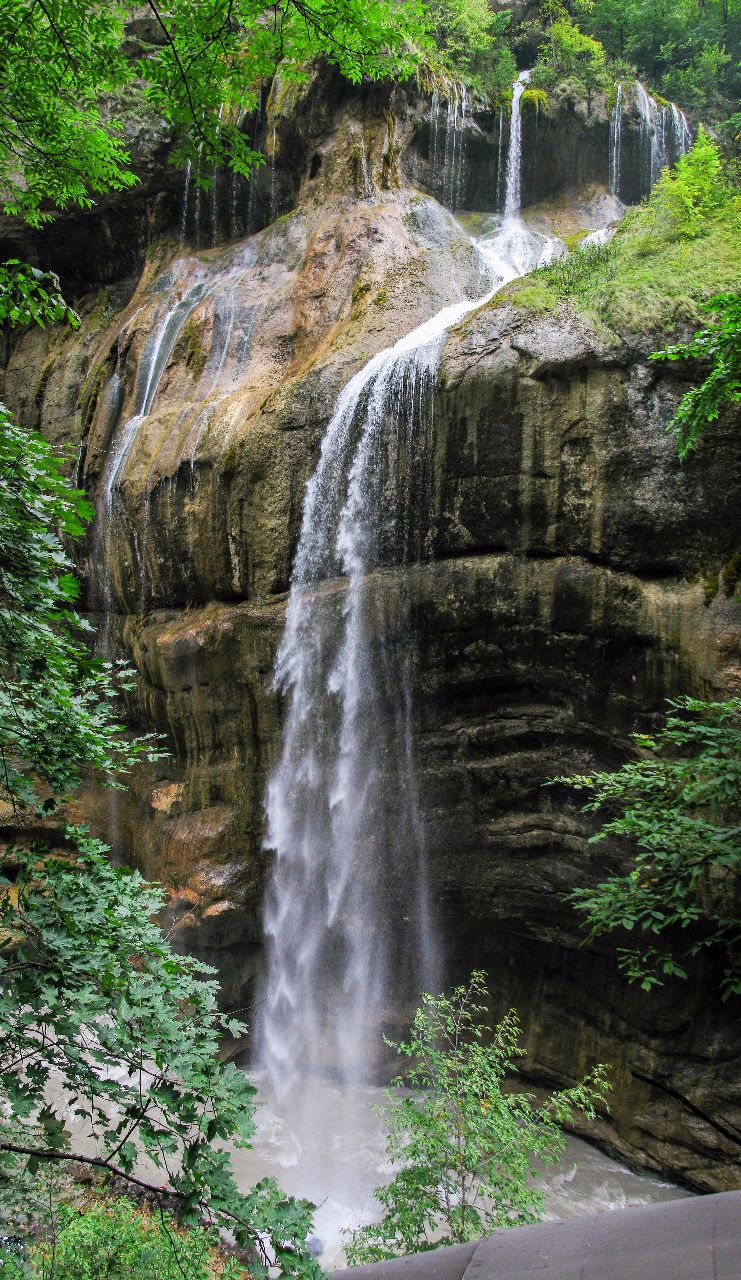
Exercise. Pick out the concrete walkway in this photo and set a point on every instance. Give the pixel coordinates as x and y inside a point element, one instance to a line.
<point>694,1239</point>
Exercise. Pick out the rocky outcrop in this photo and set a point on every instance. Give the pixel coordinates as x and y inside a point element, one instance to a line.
<point>574,581</point>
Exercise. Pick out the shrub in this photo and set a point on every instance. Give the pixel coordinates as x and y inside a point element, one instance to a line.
<point>469,1148</point>
<point>115,1240</point>
<point>684,197</point>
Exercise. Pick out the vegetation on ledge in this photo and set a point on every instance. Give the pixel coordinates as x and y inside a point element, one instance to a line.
<point>668,258</point>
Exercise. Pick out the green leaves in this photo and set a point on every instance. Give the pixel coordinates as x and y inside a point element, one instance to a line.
<point>91,996</point>
<point>686,196</point>
<point>65,62</point>
<point>469,1148</point>
<point>56,700</point>
<point>30,296</point>
<point>720,345</point>
<point>679,805</point>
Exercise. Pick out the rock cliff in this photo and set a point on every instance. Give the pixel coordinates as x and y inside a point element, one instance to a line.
<point>575,577</point>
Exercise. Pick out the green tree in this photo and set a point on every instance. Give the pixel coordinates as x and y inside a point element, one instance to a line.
<point>472,42</point>
<point>567,54</point>
<point>686,48</point>
<point>204,63</point>
<point>679,807</point>
<point>469,1148</point>
<point>720,344</point>
<point>686,195</point>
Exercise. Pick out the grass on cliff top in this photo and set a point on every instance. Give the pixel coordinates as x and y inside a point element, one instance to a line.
<point>643,282</point>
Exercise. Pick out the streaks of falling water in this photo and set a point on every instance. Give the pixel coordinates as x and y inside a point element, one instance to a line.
<point>616,129</point>
<point>365,166</point>
<point>447,144</point>
<point>346,914</point>
<point>151,367</point>
<point>186,205</point>
<point>512,191</point>
<point>681,136</point>
<point>653,136</point>
<point>500,147</point>
<point>655,151</point>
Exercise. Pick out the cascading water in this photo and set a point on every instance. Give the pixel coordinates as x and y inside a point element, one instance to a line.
<point>512,191</point>
<point>681,136</point>
<point>346,915</point>
<point>616,129</point>
<point>152,365</point>
<point>500,147</point>
<point>447,151</point>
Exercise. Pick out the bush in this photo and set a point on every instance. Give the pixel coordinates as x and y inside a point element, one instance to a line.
<point>684,197</point>
<point>569,55</point>
<point>469,1148</point>
<point>472,40</point>
<point>720,344</point>
<point>678,805</point>
<point>578,272</point>
<point>115,1240</point>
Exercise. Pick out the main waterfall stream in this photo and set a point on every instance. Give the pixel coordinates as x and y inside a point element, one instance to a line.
<point>346,917</point>
<point>348,927</point>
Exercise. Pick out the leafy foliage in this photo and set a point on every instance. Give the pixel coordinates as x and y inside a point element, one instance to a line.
<point>472,41</point>
<point>114,1239</point>
<point>56,711</point>
<point>679,805</point>
<point>686,48</point>
<point>92,996</point>
<point>567,54</point>
<point>467,1146</point>
<point>720,344</point>
<point>58,144</point>
<point>686,195</point>
<point>31,296</point>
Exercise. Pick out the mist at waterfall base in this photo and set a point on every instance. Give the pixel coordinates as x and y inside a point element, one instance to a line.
<point>333,1152</point>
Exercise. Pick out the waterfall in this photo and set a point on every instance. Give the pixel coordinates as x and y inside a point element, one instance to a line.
<point>447,149</point>
<point>347,921</point>
<point>681,136</point>
<point>500,145</point>
<point>655,149</point>
<point>616,128</point>
<point>365,167</point>
<point>152,365</point>
<point>186,205</point>
<point>512,191</point>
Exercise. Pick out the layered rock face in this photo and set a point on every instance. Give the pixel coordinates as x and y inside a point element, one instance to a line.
<point>564,599</point>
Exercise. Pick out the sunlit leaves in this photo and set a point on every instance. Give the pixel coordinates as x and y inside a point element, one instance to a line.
<point>203,67</point>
